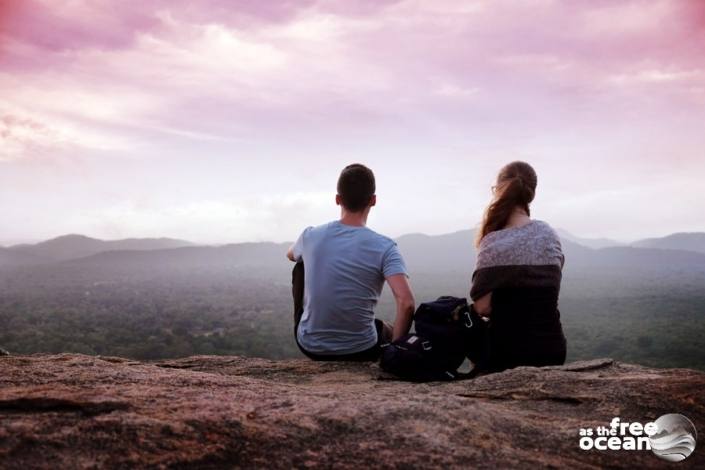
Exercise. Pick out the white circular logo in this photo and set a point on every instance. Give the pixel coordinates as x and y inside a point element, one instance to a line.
<point>675,437</point>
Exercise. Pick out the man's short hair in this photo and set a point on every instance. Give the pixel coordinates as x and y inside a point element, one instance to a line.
<point>356,186</point>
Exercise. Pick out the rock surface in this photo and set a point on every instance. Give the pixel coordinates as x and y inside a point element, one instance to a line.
<point>75,411</point>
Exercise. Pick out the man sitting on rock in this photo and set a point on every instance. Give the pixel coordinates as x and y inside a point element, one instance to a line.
<point>345,265</point>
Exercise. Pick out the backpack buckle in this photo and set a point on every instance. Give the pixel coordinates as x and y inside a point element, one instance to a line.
<point>426,345</point>
<point>468,319</point>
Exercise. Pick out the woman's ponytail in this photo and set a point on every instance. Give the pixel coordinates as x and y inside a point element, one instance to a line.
<point>516,187</point>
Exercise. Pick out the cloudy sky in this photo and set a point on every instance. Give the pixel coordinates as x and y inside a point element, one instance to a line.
<point>222,121</point>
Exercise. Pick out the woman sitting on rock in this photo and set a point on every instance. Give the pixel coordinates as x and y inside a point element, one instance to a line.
<point>518,276</point>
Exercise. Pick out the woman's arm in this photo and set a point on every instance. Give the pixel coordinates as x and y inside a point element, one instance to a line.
<point>483,305</point>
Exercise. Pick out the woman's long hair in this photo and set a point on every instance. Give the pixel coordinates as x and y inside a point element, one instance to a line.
<point>516,187</point>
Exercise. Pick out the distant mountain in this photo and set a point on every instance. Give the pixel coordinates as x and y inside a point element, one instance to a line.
<point>595,243</point>
<point>448,253</point>
<point>265,254</point>
<point>12,258</point>
<point>76,246</point>
<point>456,252</point>
<point>694,241</point>
<point>431,253</point>
<point>633,257</point>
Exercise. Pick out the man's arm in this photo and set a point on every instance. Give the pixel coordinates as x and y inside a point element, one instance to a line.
<point>295,251</point>
<point>405,304</point>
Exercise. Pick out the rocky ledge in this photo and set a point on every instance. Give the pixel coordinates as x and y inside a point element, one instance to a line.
<point>75,411</point>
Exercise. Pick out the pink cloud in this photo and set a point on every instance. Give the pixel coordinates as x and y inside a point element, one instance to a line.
<point>241,70</point>
<point>59,25</point>
<point>21,135</point>
<point>224,102</point>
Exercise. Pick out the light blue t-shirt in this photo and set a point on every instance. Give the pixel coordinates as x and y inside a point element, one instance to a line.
<point>345,268</point>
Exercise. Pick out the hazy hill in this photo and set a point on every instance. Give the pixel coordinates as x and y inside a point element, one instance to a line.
<point>450,252</point>
<point>645,257</point>
<point>10,257</point>
<point>588,242</point>
<point>456,252</point>
<point>76,246</point>
<point>234,255</point>
<point>679,241</point>
<point>447,253</point>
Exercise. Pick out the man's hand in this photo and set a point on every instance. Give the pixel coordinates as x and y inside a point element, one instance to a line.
<point>290,253</point>
<point>405,304</point>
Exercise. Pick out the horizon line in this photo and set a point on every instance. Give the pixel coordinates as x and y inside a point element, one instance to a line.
<point>561,232</point>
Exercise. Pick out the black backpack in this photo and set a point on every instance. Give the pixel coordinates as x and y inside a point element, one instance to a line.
<point>447,331</point>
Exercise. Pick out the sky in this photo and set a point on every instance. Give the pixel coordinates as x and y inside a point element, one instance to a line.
<point>227,121</point>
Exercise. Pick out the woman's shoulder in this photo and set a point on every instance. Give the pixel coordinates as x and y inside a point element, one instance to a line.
<point>534,228</point>
<point>533,243</point>
<point>545,228</point>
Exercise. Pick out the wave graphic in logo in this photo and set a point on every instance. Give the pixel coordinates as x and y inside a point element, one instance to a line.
<point>675,438</point>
